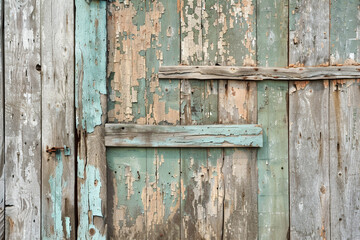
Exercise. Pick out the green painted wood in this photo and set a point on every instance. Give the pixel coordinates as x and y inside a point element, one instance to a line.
<point>202,184</point>
<point>127,192</point>
<point>2,130</point>
<point>130,135</point>
<point>344,123</point>
<point>163,193</point>
<point>58,120</point>
<point>272,159</point>
<point>90,90</point>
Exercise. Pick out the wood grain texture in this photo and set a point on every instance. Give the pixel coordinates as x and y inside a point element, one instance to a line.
<point>344,123</point>
<point>58,171</point>
<point>137,96</point>
<point>202,183</point>
<point>23,119</point>
<point>2,125</point>
<point>238,105</point>
<point>129,135</point>
<point>259,73</point>
<point>308,120</point>
<point>273,195</point>
<point>90,102</point>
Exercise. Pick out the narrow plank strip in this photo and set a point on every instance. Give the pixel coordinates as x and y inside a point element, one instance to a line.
<point>23,119</point>
<point>259,73</point>
<point>58,171</point>
<point>122,135</point>
<point>308,122</point>
<point>90,80</point>
<point>2,136</point>
<point>273,196</point>
<point>345,123</point>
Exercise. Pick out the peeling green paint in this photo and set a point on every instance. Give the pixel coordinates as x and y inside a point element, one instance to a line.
<point>80,167</point>
<point>90,55</point>
<point>56,187</point>
<point>67,227</point>
<point>90,204</point>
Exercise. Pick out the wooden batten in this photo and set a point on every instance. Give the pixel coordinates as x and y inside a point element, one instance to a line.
<point>259,73</point>
<point>131,135</point>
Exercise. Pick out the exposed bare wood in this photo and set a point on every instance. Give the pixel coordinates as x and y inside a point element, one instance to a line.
<point>259,73</point>
<point>58,171</point>
<point>23,119</point>
<point>129,135</point>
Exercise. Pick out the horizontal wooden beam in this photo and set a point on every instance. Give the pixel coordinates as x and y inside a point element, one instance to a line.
<point>131,135</point>
<point>259,73</point>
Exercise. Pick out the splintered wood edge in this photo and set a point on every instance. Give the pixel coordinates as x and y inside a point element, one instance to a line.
<point>132,135</point>
<point>259,73</point>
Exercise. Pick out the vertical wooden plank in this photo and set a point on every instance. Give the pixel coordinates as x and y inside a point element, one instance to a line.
<point>2,125</point>
<point>58,170</point>
<point>273,196</point>
<point>238,104</point>
<point>90,80</point>
<point>201,184</point>
<point>127,192</point>
<point>23,119</point>
<point>162,22</point>
<point>344,123</point>
<point>308,120</point>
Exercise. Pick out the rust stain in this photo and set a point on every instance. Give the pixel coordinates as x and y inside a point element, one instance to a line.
<point>300,85</point>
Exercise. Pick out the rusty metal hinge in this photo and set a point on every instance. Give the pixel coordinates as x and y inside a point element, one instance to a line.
<point>56,149</point>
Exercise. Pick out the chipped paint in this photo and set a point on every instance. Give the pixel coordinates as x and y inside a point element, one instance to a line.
<point>67,227</point>
<point>90,54</point>
<point>90,205</point>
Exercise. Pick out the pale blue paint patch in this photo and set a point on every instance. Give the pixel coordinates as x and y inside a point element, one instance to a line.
<point>67,227</point>
<point>67,151</point>
<point>56,197</point>
<point>90,202</point>
<point>80,168</point>
<point>90,56</point>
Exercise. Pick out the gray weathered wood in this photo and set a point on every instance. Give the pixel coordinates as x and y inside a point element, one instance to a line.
<point>130,135</point>
<point>23,119</point>
<point>308,123</point>
<point>2,137</point>
<point>259,73</point>
<point>58,170</point>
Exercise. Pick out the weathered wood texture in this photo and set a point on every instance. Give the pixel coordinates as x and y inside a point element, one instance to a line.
<point>201,177</point>
<point>2,136</point>
<point>260,73</point>
<point>130,135</point>
<point>272,51</point>
<point>90,80</point>
<point>58,170</point>
<point>143,34</point>
<point>309,123</point>
<point>23,119</point>
<point>344,125</point>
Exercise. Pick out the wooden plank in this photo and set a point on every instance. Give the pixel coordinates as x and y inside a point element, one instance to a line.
<point>163,218</point>
<point>259,73</point>
<point>344,123</point>
<point>58,171</point>
<point>202,197</point>
<point>308,120</point>
<point>237,105</point>
<point>2,130</point>
<point>273,196</point>
<point>23,119</point>
<point>90,80</point>
<point>127,192</point>
<point>130,135</point>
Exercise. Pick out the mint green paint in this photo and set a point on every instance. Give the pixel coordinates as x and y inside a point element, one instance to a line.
<point>272,51</point>
<point>90,55</point>
<point>56,186</point>
<point>67,227</point>
<point>80,167</point>
<point>90,201</point>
